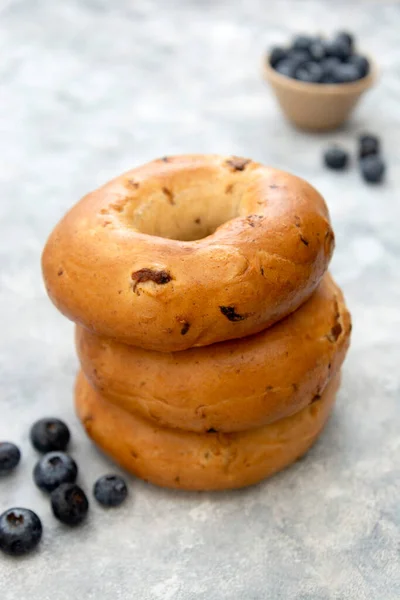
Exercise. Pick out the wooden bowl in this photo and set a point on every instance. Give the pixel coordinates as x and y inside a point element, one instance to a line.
<point>317,106</point>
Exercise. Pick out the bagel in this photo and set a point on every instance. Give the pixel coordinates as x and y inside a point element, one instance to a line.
<point>192,461</point>
<point>189,251</point>
<point>230,386</point>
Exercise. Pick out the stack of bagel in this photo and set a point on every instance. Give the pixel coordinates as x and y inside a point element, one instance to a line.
<point>209,333</point>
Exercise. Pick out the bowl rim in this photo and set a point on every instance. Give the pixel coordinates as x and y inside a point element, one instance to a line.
<point>321,89</point>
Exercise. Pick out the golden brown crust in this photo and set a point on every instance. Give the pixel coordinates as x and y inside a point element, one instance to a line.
<point>191,461</point>
<point>106,267</point>
<point>231,386</point>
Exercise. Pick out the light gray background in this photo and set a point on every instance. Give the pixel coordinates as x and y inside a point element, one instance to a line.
<point>90,88</point>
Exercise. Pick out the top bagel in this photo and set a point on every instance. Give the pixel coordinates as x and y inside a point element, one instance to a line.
<point>188,251</point>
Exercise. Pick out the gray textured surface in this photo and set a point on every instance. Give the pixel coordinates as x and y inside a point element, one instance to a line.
<point>89,88</point>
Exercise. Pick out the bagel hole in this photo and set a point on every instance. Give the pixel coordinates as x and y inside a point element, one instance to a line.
<point>186,213</point>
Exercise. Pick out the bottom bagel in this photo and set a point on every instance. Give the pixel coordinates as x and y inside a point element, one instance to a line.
<point>193,461</point>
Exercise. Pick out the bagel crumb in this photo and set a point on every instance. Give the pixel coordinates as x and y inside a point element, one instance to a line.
<point>262,271</point>
<point>177,479</point>
<point>198,221</point>
<point>295,387</point>
<point>237,163</point>
<point>60,272</point>
<point>229,188</point>
<point>134,454</point>
<point>159,277</point>
<point>230,313</point>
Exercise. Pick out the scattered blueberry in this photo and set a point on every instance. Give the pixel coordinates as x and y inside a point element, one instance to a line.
<point>49,434</point>
<point>110,490</point>
<point>277,54</point>
<point>53,469</point>
<point>69,503</point>
<point>20,531</point>
<point>309,72</point>
<point>9,457</point>
<point>372,169</point>
<point>368,145</point>
<point>336,158</point>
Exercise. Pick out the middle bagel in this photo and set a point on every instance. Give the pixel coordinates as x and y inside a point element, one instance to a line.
<point>229,386</point>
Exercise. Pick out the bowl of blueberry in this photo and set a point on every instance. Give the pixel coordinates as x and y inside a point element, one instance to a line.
<point>318,81</point>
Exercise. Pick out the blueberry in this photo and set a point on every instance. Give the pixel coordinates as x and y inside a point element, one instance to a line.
<point>372,169</point>
<point>337,48</point>
<point>277,54</point>
<point>49,434</point>
<point>328,66</point>
<point>368,145</point>
<point>53,469</point>
<point>327,78</point>
<point>361,63</point>
<point>346,73</point>
<point>302,42</point>
<point>69,504</point>
<point>336,158</point>
<point>298,56</point>
<point>286,67</point>
<point>330,63</point>
<point>110,490</point>
<point>317,50</point>
<point>20,531</point>
<point>294,59</point>
<point>310,72</point>
<point>345,37</point>
<point>9,457</point>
